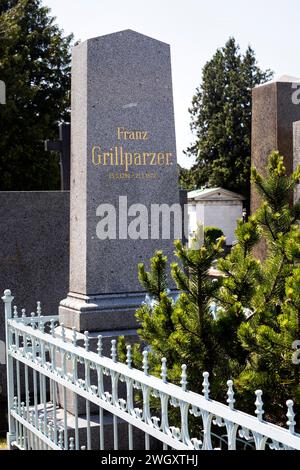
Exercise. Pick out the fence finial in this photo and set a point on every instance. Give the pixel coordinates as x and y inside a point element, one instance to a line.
<point>291,423</point>
<point>74,336</point>
<point>205,384</point>
<point>32,322</point>
<point>145,362</point>
<point>61,438</point>
<point>31,417</point>
<point>86,340</point>
<point>52,327</point>
<point>183,381</point>
<point>7,296</point>
<point>128,356</point>
<point>15,311</point>
<point>164,370</point>
<point>99,346</point>
<point>23,314</point>
<point>259,405</point>
<point>230,395</point>
<point>38,309</point>
<point>114,350</point>
<point>16,404</point>
<point>63,332</point>
<point>71,445</point>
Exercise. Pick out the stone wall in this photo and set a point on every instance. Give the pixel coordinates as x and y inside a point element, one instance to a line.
<point>34,257</point>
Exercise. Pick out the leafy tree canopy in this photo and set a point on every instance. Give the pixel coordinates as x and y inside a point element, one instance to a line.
<point>221,120</point>
<point>35,66</point>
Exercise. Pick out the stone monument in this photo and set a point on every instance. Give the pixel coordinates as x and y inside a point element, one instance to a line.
<point>273,113</point>
<point>123,170</point>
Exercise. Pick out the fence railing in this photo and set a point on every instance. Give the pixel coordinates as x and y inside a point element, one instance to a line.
<point>62,395</point>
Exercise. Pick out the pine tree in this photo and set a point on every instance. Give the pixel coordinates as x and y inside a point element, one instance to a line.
<point>270,332</point>
<point>182,331</point>
<point>195,335</point>
<point>264,298</point>
<point>242,275</point>
<point>221,120</point>
<point>35,66</point>
<point>251,338</point>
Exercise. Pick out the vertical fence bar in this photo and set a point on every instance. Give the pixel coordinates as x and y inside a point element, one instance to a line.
<point>35,398</point>
<point>64,374</point>
<point>26,383</point>
<point>129,396</point>
<point>27,397</point>
<point>44,382</point>
<point>114,392</point>
<point>11,435</point>
<point>17,423</point>
<point>24,429</point>
<point>115,426</point>
<point>75,398</point>
<point>17,340</point>
<point>101,428</point>
<point>147,442</point>
<point>53,383</point>
<point>100,393</point>
<point>65,418</point>
<point>88,425</point>
<point>26,409</point>
<point>50,390</point>
<point>32,437</point>
<point>45,406</point>
<point>130,437</point>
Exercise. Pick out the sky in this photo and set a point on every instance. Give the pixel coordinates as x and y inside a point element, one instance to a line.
<point>195,29</point>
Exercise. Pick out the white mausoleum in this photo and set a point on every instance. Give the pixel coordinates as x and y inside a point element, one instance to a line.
<point>215,207</point>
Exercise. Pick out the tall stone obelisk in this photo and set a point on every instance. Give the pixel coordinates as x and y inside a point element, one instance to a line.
<point>123,153</point>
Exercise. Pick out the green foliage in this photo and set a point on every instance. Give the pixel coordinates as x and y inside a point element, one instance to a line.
<point>258,305</point>
<point>271,292</point>
<point>35,65</point>
<point>185,179</point>
<point>242,271</point>
<point>242,275</point>
<point>212,234</point>
<point>268,342</point>
<point>155,281</point>
<point>181,330</point>
<point>221,120</point>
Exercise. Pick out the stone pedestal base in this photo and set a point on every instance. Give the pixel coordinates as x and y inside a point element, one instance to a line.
<point>100,313</point>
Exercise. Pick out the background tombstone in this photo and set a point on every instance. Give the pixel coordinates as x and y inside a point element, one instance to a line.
<point>122,104</point>
<point>273,114</point>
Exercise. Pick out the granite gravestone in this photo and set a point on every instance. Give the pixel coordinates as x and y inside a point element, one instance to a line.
<point>123,153</point>
<point>273,113</point>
